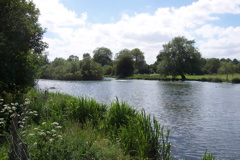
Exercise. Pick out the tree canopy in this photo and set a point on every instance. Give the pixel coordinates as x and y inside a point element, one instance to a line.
<point>21,45</point>
<point>179,57</point>
<point>62,69</point>
<point>124,66</point>
<point>102,56</point>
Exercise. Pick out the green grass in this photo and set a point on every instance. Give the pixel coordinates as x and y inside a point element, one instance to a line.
<point>212,78</point>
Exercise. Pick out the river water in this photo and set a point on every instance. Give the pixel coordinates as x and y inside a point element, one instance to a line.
<point>200,115</point>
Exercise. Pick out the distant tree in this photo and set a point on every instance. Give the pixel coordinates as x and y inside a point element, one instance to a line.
<point>227,68</point>
<point>91,70</point>
<point>225,60</point>
<point>58,62</point>
<point>73,58</point>
<point>123,52</point>
<point>102,56</point>
<point>212,65</point>
<point>124,66</point>
<point>21,46</point>
<point>235,61</point>
<point>140,64</point>
<point>178,57</point>
<point>86,56</point>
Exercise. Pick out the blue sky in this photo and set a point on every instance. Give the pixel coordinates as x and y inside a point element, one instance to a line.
<point>75,27</point>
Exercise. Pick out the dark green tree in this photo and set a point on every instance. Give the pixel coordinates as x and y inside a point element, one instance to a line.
<point>123,52</point>
<point>102,56</point>
<point>227,68</point>
<point>140,64</point>
<point>124,66</point>
<point>91,70</point>
<point>86,56</point>
<point>21,46</point>
<point>73,58</point>
<point>178,57</point>
<point>212,65</point>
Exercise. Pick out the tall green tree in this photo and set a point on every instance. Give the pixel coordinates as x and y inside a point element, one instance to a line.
<point>124,66</point>
<point>227,67</point>
<point>102,56</point>
<point>21,46</point>
<point>212,65</point>
<point>123,52</point>
<point>178,57</point>
<point>73,58</point>
<point>140,64</point>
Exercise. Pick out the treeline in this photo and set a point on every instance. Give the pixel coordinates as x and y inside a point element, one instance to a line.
<point>126,63</point>
<point>72,69</point>
<point>179,57</point>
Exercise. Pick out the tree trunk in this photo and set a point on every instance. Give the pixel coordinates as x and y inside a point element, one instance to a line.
<point>183,76</point>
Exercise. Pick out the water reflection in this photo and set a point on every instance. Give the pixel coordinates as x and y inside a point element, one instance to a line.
<point>200,115</point>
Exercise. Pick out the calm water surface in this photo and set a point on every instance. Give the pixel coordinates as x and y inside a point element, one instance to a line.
<point>200,115</point>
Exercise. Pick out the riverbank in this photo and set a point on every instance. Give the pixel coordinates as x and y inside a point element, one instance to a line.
<point>204,78</point>
<point>59,126</point>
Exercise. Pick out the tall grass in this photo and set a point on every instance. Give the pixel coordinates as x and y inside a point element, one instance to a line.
<point>140,134</point>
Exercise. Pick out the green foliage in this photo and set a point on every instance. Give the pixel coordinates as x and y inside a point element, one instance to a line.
<point>21,46</point>
<point>208,156</point>
<point>73,69</point>
<point>212,65</point>
<point>102,56</point>
<point>236,80</point>
<point>135,131</point>
<point>226,68</point>
<point>124,66</point>
<point>179,57</point>
<point>91,70</point>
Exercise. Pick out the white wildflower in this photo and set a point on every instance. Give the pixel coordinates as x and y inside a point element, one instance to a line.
<point>35,129</point>
<point>55,123</point>
<point>50,139</point>
<point>59,127</point>
<point>1,100</point>
<point>42,133</point>
<point>43,123</point>
<point>31,134</point>
<point>14,108</point>
<point>53,131</point>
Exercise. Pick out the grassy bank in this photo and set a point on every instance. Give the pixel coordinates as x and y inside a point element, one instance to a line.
<point>59,126</point>
<point>235,78</point>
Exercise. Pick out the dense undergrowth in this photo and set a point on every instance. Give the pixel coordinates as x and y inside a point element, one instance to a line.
<point>59,126</point>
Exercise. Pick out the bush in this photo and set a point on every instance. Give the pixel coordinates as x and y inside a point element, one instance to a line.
<point>235,80</point>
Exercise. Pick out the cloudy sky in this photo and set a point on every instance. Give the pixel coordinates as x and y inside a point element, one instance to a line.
<point>75,27</point>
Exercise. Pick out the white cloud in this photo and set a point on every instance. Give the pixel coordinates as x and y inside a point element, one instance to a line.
<point>75,35</point>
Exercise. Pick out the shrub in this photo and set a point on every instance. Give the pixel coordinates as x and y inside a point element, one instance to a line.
<point>235,80</point>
